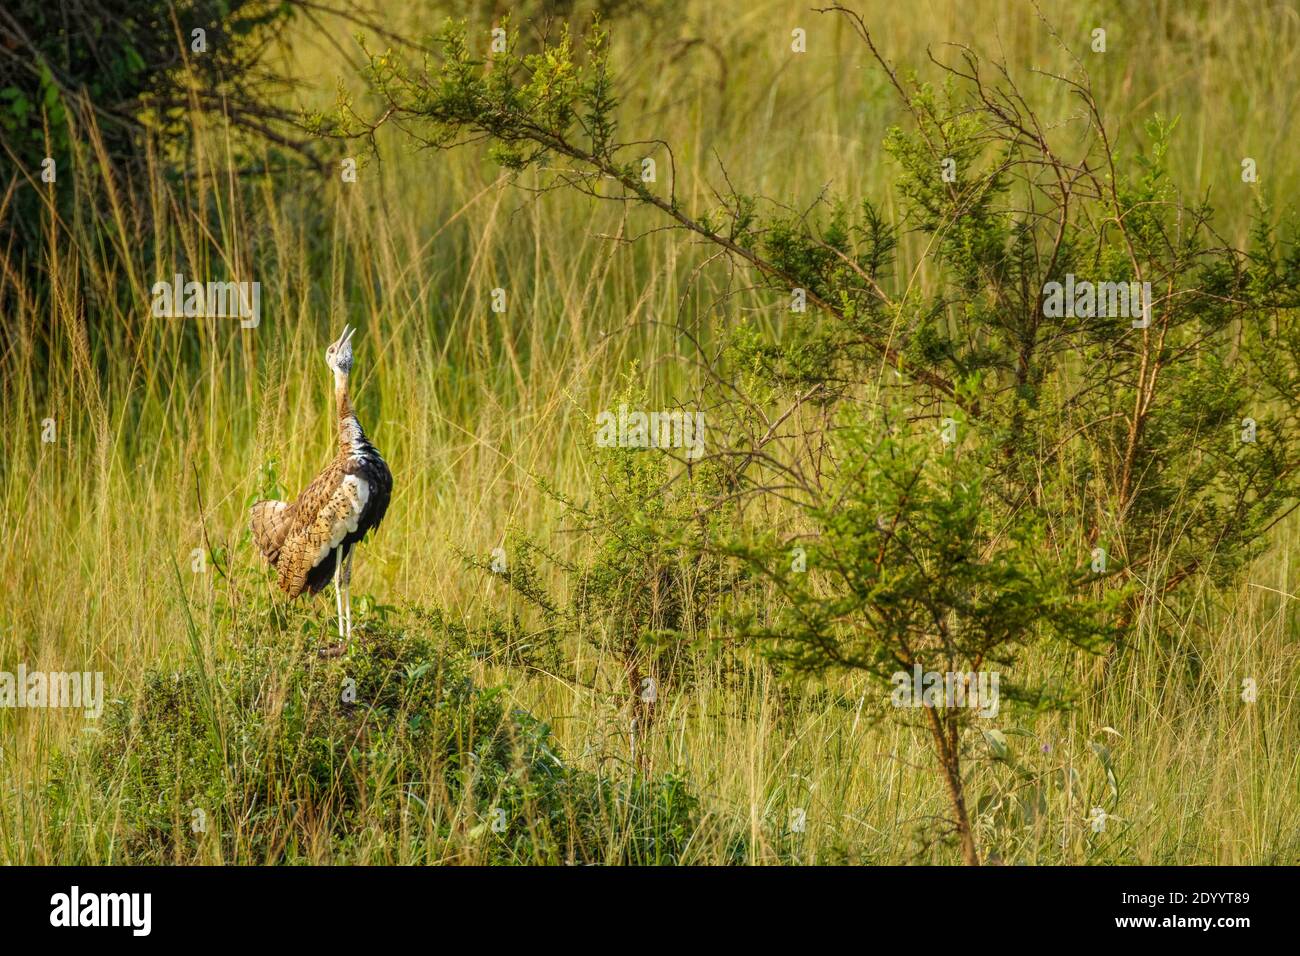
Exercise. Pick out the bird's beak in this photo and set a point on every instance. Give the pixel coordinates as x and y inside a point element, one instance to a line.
<point>346,337</point>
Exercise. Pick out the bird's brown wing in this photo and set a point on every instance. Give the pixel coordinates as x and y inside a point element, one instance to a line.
<point>325,513</point>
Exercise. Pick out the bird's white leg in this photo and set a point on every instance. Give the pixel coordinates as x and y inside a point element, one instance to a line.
<point>338,595</point>
<point>347,591</point>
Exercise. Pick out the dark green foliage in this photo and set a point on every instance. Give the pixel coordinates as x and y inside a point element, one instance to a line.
<point>908,562</point>
<point>1125,438</point>
<point>128,67</point>
<point>288,755</point>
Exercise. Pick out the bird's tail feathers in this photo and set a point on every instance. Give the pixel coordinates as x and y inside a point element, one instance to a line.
<point>270,525</point>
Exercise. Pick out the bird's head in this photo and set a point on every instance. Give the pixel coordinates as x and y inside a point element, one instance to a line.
<point>339,355</point>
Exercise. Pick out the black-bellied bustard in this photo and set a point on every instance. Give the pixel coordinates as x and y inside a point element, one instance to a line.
<point>310,541</point>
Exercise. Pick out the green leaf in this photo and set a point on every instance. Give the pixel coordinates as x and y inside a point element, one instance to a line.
<point>997,742</point>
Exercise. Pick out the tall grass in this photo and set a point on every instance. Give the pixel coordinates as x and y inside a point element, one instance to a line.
<point>164,427</point>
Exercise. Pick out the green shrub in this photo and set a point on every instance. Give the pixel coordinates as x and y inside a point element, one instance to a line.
<point>391,751</point>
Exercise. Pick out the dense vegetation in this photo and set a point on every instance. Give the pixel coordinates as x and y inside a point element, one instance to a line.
<point>640,655</point>
<point>1028,469</point>
<point>275,758</point>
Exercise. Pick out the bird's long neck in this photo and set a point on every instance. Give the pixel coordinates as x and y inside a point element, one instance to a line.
<point>351,437</point>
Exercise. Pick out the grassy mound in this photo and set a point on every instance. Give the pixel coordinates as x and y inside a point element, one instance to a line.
<point>388,753</point>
